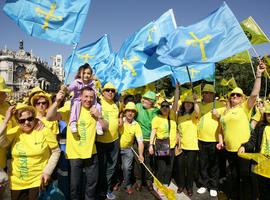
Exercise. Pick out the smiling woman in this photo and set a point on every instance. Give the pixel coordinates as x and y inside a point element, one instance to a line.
<point>34,151</point>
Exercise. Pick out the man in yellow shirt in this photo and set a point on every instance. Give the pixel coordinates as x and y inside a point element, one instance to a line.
<point>208,138</point>
<point>108,143</point>
<point>129,131</point>
<point>80,148</point>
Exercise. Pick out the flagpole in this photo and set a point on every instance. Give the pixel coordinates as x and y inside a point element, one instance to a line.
<point>265,90</point>
<point>258,57</point>
<point>189,77</point>
<point>71,62</point>
<point>251,64</point>
<point>214,84</point>
<point>143,163</point>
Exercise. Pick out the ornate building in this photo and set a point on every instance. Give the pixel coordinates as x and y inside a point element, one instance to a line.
<point>22,71</point>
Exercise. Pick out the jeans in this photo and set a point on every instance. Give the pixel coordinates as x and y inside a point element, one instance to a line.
<point>140,172</point>
<point>209,169</point>
<point>107,156</point>
<point>127,160</point>
<point>90,167</point>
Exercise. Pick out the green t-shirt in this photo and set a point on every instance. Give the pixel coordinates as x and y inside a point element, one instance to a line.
<point>144,118</point>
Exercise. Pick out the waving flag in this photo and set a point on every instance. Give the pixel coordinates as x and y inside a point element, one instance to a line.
<point>255,35</point>
<point>197,72</point>
<point>253,31</point>
<point>93,54</point>
<point>213,39</point>
<point>136,54</point>
<point>59,21</point>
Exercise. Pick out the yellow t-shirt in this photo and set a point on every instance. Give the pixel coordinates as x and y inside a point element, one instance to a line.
<point>160,123</point>
<point>208,127</point>
<point>187,126</point>
<point>30,154</point>
<point>128,132</point>
<point>110,113</point>
<point>265,145</point>
<point>235,125</point>
<point>11,123</point>
<point>80,145</point>
<point>52,125</point>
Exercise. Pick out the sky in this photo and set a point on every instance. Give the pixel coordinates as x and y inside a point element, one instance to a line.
<point>120,18</point>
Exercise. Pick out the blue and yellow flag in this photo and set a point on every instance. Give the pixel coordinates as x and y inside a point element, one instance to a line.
<point>134,56</point>
<point>59,21</point>
<point>93,54</point>
<point>197,72</point>
<point>213,39</point>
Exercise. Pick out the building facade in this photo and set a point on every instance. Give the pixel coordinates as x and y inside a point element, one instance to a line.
<point>23,71</point>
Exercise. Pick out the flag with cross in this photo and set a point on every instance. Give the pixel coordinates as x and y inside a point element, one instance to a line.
<point>93,54</point>
<point>58,21</point>
<point>215,38</point>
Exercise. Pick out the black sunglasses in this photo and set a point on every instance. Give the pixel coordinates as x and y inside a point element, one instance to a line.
<point>165,106</point>
<point>235,94</point>
<point>41,102</point>
<point>29,119</point>
<point>110,90</point>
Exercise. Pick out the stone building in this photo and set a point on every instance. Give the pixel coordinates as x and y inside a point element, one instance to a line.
<point>22,71</point>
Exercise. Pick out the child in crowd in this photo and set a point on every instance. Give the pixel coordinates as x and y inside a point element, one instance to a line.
<point>129,131</point>
<point>83,78</point>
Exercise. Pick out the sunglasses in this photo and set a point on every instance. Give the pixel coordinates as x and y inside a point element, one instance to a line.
<point>110,90</point>
<point>29,119</point>
<point>165,106</point>
<point>41,103</point>
<point>235,94</point>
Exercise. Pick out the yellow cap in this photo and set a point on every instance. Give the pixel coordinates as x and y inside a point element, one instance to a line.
<point>267,109</point>
<point>3,86</point>
<point>237,90</point>
<point>130,106</point>
<point>208,88</point>
<point>189,98</point>
<point>41,94</point>
<point>109,85</point>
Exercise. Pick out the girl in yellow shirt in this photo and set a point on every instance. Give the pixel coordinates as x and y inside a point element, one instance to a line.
<point>187,127</point>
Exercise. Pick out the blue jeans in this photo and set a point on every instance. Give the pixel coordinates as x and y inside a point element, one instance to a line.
<point>107,157</point>
<point>79,189</point>
<point>127,160</point>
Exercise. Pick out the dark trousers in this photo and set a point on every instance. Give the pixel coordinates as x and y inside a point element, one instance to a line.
<point>164,167</point>
<point>78,188</point>
<point>264,187</point>
<point>184,169</point>
<point>240,182</point>
<point>140,172</point>
<point>208,167</point>
<point>107,156</point>
<point>27,194</point>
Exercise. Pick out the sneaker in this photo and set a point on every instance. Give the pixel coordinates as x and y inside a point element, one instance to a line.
<point>73,127</point>
<point>138,187</point>
<point>110,195</point>
<point>213,193</point>
<point>129,190</point>
<point>201,190</point>
<point>100,132</point>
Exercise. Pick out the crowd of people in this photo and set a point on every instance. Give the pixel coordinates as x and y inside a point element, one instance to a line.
<point>92,142</point>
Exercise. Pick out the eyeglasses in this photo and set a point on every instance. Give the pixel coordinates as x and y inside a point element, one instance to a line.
<point>41,103</point>
<point>235,94</point>
<point>110,90</point>
<point>165,106</point>
<point>29,119</point>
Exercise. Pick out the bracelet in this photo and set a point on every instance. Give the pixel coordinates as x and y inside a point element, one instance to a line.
<point>258,76</point>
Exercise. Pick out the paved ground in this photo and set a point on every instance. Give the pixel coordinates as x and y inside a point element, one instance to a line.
<point>146,195</point>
